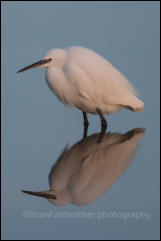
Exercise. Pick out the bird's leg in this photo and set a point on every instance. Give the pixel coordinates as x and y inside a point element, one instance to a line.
<point>103,124</point>
<point>86,123</point>
<point>103,121</point>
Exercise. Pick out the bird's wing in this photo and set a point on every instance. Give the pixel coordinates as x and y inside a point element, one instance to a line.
<point>80,81</point>
<point>96,79</point>
<point>96,90</point>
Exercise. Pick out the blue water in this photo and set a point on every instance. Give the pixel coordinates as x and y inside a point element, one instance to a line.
<point>36,127</point>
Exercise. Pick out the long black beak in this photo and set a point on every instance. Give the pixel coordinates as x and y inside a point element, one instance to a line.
<point>44,194</point>
<point>35,65</point>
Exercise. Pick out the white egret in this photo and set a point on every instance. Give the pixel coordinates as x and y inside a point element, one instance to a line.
<point>83,79</point>
<point>88,169</point>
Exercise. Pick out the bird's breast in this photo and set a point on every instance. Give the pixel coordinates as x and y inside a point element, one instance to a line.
<point>59,84</point>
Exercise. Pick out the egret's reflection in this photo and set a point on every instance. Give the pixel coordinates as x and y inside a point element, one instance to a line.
<point>89,168</point>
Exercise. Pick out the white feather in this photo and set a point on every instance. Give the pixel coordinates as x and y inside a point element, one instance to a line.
<point>81,78</point>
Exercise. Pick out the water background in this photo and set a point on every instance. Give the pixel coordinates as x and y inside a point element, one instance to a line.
<point>36,126</point>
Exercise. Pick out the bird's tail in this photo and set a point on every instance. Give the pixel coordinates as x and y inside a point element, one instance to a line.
<point>139,106</point>
<point>135,104</point>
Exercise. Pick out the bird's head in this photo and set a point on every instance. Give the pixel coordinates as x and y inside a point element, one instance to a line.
<point>55,58</point>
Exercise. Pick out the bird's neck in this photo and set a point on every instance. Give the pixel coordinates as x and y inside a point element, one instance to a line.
<point>60,61</point>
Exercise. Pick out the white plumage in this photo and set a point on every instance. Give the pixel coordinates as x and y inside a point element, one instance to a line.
<point>83,79</point>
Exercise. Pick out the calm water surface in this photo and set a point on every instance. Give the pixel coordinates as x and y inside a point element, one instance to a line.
<point>107,190</point>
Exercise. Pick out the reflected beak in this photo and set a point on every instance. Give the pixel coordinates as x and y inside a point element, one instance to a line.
<point>45,194</point>
<point>35,65</point>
